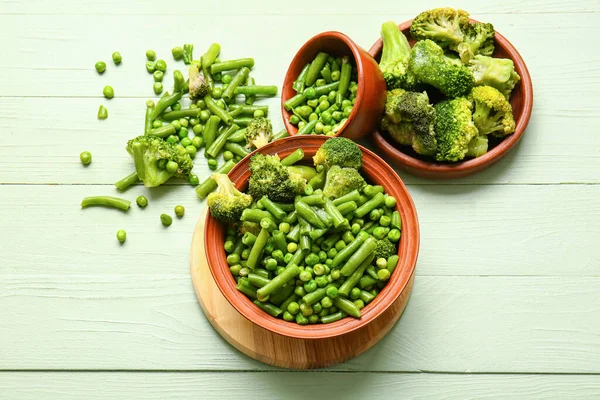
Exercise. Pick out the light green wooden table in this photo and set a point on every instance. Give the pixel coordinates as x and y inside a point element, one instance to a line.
<point>506,302</point>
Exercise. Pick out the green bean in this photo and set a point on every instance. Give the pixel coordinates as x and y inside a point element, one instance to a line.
<point>298,84</point>
<point>273,208</point>
<point>280,296</point>
<point>372,272</point>
<point>297,257</point>
<point>306,212</point>
<point>279,240</point>
<point>241,109</point>
<point>217,145</point>
<point>308,128</point>
<point>211,54</point>
<point>330,241</point>
<point>326,89</point>
<point>290,272</point>
<point>210,130</point>
<point>249,238</point>
<point>102,112</point>
<point>293,158</point>
<point>256,90</point>
<point>332,317</point>
<point>238,136</point>
<point>106,201</point>
<point>257,248</point>
<point>250,98</point>
<point>325,217</point>
<point>349,250</point>
<point>370,205</point>
<point>314,297</point>
<point>166,101</point>
<point>248,289</point>
<point>268,224</point>
<point>347,306</point>
<point>257,280</point>
<point>188,53</point>
<point>347,208</point>
<point>294,234</point>
<point>210,184</point>
<point>187,113</point>
<point>351,196</point>
<point>290,299</point>
<point>240,77</point>
<point>294,101</point>
<point>219,112</point>
<point>396,221</point>
<point>334,212</point>
<point>236,149</point>
<point>242,121</point>
<point>344,79</point>
<point>231,65</point>
<point>315,68</point>
<point>365,249</point>
<point>255,215</point>
<point>392,262</point>
<point>126,182</point>
<point>317,233</point>
<point>366,297</point>
<point>366,281</point>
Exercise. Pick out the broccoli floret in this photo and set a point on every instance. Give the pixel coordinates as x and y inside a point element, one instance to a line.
<point>478,146</point>
<point>199,86</point>
<point>268,177</point>
<point>479,39</point>
<point>431,66</point>
<point>340,181</point>
<point>339,151</point>
<point>408,118</point>
<point>227,203</point>
<point>385,249</point>
<point>258,132</point>
<point>497,72</point>
<point>248,226</point>
<point>394,57</point>
<point>445,26</point>
<point>151,155</point>
<point>454,128</point>
<point>492,112</point>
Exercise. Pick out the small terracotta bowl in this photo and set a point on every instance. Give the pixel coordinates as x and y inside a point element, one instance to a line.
<point>376,171</point>
<point>521,100</point>
<point>370,98</point>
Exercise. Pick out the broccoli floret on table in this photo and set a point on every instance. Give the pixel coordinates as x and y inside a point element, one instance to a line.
<point>156,161</point>
<point>227,203</point>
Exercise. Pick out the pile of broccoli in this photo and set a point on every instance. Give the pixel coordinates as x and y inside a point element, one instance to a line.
<point>451,62</point>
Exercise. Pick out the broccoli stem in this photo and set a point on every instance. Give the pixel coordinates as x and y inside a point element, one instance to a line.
<point>208,76</point>
<point>219,112</point>
<point>395,44</point>
<point>257,90</point>
<point>240,76</point>
<point>126,182</point>
<point>231,65</point>
<point>250,98</point>
<point>210,184</point>
<point>216,147</point>
<point>211,55</point>
<point>164,131</point>
<point>187,113</point>
<point>106,201</point>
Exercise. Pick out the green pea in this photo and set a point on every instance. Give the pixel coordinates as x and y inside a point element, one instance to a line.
<point>173,139</point>
<point>245,254</point>
<point>288,317</point>
<point>326,301</point>
<point>85,157</point>
<point>235,269</point>
<point>221,104</point>
<point>180,210</point>
<point>194,180</point>
<point>121,236</point>
<point>346,103</point>
<point>244,272</point>
<point>191,150</point>
<point>305,276</point>
<point>293,308</point>
<point>313,103</point>
<point>226,78</point>
<point>184,122</point>
<point>197,141</point>
<point>301,124</point>
<point>100,67</point>
<point>337,115</point>
<point>326,117</point>
<point>306,310</point>
<point>347,111</point>
<point>166,220</point>
<point>311,286</point>
<point>299,291</point>
<point>186,141</point>
<point>385,220</point>
<point>177,53</point>
<point>332,252</point>
<point>217,92</point>
<point>117,58</point>
<point>310,93</point>
<point>332,292</point>
<point>158,76</point>
<point>198,129</point>
<point>176,124</point>
<point>331,97</point>
<point>271,264</point>
<point>150,55</point>
<point>201,104</point>
<point>161,65</point>
<point>355,293</point>
<point>204,116</point>
<point>141,201</point>
<point>228,155</point>
<point>322,98</point>
<point>108,92</point>
<point>158,87</point>
<point>335,75</point>
<point>317,308</point>
<point>313,117</point>
<point>340,245</point>
<point>150,66</point>
<point>102,112</point>
<point>284,227</point>
<point>194,121</point>
<point>172,167</point>
<point>294,119</point>
<point>383,274</point>
<point>390,202</point>
<point>381,263</point>
<point>320,82</point>
<point>258,114</point>
<point>394,235</point>
<point>292,247</point>
<point>212,164</point>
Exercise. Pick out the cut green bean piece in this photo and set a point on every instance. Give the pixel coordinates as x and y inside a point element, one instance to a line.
<point>347,306</point>
<point>216,110</point>
<point>210,130</point>
<point>257,248</point>
<point>240,77</point>
<point>126,182</point>
<point>299,83</point>
<point>231,65</point>
<point>218,144</point>
<point>294,102</point>
<point>237,149</point>
<point>164,131</point>
<point>290,272</point>
<point>106,201</point>
<point>293,158</point>
<point>210,184</point>
<point>366,248</point>
<point>257,90</point>
<point>315,68</point>
<point>211,54</point>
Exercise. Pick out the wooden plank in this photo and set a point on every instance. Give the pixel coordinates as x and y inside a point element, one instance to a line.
<point>536,230</point>
<point>64,127</point>
<point>123,321</point>
<point>274,7</point>
<point>278,385</point>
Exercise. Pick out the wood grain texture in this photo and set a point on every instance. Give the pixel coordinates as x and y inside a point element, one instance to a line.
<point>293,386</point>
<point>153,322</point>
<point>271,348</point>
<point>534,230</point>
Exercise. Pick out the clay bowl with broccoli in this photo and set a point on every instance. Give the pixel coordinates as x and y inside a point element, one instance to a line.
<point>459,95</point>
<point>313,237</point>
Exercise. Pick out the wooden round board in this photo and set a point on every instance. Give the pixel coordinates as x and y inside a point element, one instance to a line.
<point>271,348</point>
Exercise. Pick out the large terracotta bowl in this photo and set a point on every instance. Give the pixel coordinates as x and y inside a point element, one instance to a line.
<point>521,100</point>
<point>370,98</point>
<point>376,171</point>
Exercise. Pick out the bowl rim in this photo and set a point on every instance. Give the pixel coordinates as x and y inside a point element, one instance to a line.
<point>396,286</point>
<point>355,49</point>
<point>434,169</point>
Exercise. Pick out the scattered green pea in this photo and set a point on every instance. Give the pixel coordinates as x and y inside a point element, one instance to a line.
<point>198,141</point>
<point>121,236</point>
<point>108,92</point>
<point>85,157</point>
<point>227,155</point>
<point>161,65</point>
<point>158,87</point>
<point>217,93</point>
<point>100,67</point>
<point>191,150</point>
<point>102,112</point>
<point>150,67</point>
<point>117,58</point>
<point>212,163</point>
<point>177,53</point>
<point>194,180</point>
<point>258,114</point>
<point>150,55</point>
<point>226,78</point>
<point>141,201</point>
<point>172,167</point>
<point>166,220</point>
<point>179,211</point>
<point>186,141</point>
<point>158,76</point>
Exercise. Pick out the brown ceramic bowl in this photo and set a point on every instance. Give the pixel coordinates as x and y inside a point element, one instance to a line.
<point>376,171</point>
<point>521,100</point>
<point>370,98</point>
